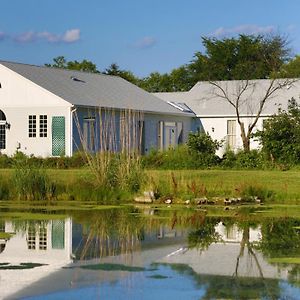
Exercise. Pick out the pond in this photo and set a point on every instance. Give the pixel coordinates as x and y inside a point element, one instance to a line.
<point>148,253</point>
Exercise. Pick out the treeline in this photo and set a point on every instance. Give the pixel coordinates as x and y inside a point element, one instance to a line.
<point>243,57</point>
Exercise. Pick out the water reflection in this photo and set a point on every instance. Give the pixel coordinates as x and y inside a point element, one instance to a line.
<point>45,246</point>
<point>230,258</point>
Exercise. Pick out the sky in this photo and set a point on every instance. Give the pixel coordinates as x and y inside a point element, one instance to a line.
<point>142,36</point>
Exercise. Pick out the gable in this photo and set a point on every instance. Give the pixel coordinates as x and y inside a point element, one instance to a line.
<point>17,91</point>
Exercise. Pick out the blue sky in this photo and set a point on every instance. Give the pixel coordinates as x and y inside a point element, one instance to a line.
<point>139,35</point>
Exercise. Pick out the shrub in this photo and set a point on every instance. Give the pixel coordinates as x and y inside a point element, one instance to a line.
<point>280,137</point>
<point>253,159</point>
<point>178,158</point>
<point>203,148</point>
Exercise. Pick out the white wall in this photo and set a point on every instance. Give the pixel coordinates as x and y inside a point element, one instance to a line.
<point>217,129</point>
<point>19,98</point>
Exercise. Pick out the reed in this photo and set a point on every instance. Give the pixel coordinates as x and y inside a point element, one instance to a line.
<point>112,148</point>
<point>32,182</point>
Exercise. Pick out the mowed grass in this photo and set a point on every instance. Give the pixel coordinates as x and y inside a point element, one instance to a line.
<point>284,184</point>
<point>223,183</point>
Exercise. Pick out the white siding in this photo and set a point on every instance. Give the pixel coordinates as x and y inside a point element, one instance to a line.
<point>18,134</point>
<point>19,98</point>
<point>217,129</point>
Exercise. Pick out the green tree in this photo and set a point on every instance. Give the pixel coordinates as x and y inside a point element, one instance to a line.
<point>115,70</point>
<point>156,82</point>
<point>292,68</point>
<point>243,59</point>
<point>84,65</point>
<point>280,137</point>
<point>59,62</point>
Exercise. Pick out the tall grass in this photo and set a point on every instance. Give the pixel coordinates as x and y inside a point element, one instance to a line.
<point>31,182</point>
<point>117,137</point>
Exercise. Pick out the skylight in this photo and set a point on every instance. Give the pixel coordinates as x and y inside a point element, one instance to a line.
<point>181,106</point>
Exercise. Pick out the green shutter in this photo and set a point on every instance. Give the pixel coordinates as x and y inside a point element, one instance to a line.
<point>58,234</point>
<point>58,136</point>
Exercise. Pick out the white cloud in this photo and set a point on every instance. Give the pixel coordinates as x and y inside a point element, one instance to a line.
<point>145,42</point>
<point>246,29</point>
<point>25,37</point>
<point>70,36</point>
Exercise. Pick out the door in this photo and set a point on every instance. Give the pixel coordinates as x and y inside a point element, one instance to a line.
<point>58,136</point>
<point>170,133</point>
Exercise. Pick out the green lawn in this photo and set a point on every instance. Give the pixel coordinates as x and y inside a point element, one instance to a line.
<point>284,184</point>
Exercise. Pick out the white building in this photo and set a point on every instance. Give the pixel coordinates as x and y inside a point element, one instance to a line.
<point>219,118</point>
<point>39,107</point>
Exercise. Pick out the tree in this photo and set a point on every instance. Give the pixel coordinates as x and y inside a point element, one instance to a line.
<point>84,65</point>
<point>280,137</point>
<point>59,62</point>
<point>292,68</point>
<point>243,59</point>
<point>115,70</point>
<point>156,82</point>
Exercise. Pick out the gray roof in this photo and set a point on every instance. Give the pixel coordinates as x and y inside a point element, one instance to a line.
<point>89,89</point>
<point>206,101</point>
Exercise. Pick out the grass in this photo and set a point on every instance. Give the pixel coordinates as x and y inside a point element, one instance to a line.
<point>284,185</point>
<point>285,260</point>
<point>224,183</point>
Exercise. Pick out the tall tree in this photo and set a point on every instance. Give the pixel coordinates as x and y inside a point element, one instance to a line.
<point>84,65</point>
<point>243,59</point>
<point>115,70</point>
<point>292,68</point>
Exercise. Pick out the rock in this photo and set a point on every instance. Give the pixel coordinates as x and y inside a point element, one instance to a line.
<point>201,200</point>
<point>227,201</point>
<point>149,194</point>
<point>168,201</point>
<point>143,199</point>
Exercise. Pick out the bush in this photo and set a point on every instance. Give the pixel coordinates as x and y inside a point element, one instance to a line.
<point>179,158</point>
<point>202,143</point>
<point>280,137</point>
<point>76,161</point>
<point>253,159</point>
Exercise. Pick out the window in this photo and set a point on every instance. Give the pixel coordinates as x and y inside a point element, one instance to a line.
<point>2,136</point>
<point>43,238</point>
<point>43,125</point>
<point>231,134</point>
<point>32,126</point>
<point>31,238</point>
<point>89,133</point>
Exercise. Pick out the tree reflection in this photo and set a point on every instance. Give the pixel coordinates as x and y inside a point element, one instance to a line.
<point>202,237</point>
<point>281,238</point>
<point>109,232</point>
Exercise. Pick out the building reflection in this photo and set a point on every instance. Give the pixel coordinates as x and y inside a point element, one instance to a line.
<point>45,246</point>
<point>42,242</point>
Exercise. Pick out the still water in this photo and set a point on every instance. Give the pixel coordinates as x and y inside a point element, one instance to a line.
<point>147,253</point>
